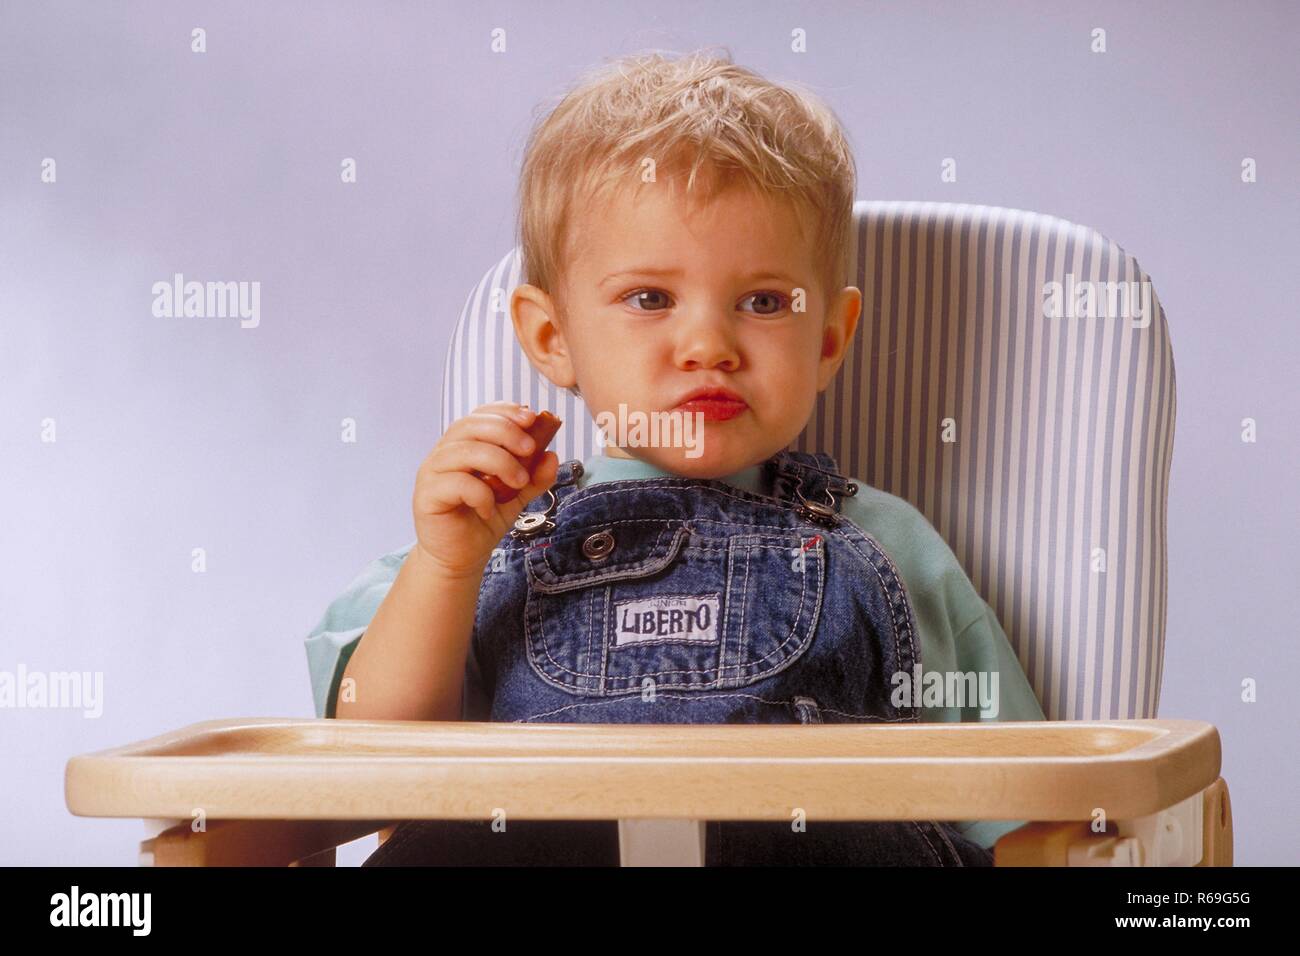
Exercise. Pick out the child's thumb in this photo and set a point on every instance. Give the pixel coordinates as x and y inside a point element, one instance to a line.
<point>542,478</point>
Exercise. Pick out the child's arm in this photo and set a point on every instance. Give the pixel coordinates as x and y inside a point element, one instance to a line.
<point>331,642</point>
<point>410,662</point>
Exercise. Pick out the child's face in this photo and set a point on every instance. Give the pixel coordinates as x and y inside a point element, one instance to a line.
<point>659,303</point>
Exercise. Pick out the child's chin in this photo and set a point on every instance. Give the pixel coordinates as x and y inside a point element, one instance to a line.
<point>702,462</point>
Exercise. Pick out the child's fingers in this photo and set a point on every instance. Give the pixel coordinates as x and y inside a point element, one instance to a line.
<point>495,430</point>
<point>512,410</point>
<point>494,414</point>
<point>484,457</point>
<point>542,478</point>
<point>452,489</point>
<point>540,434</point>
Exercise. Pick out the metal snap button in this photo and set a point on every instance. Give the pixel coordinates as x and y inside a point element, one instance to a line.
<point>530,524</point>
<point>530,521</point>
<point>598,545</point>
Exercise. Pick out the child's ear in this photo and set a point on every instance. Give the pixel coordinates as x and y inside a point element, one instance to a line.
<point>537,327</point>
<point>841,323</point>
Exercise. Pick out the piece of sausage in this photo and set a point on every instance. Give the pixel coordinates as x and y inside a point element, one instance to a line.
<point>542,430</point>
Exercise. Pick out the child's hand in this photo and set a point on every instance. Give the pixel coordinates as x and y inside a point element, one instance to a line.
<point>458,519</point>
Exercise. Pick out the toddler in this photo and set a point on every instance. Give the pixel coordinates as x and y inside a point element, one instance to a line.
<point>685,227</point>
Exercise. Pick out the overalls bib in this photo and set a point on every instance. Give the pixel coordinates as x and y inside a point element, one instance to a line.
<point>683,600</point>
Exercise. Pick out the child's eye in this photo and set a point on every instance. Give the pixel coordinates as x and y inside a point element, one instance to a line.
<point>632,296</point>
<point>769,303</point>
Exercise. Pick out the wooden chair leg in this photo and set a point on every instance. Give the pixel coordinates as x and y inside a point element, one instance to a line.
<point>1216,821</point>
<point>657,842</point>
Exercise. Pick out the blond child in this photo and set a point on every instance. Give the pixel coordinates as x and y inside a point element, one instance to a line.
<point>685,227</point>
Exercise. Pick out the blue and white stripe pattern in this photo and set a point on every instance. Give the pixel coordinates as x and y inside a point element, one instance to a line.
<point>1063,428</point>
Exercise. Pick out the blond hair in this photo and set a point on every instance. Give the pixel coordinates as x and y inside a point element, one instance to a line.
<point>724,119</point>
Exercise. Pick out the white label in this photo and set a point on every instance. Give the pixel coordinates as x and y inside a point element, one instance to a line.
<point>667,618</point>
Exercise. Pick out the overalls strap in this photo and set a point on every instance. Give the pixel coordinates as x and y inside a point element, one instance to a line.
<point>813,478</point>
<point>810,480</point>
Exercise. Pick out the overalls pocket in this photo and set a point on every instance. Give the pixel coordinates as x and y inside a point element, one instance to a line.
<point>630,606</point>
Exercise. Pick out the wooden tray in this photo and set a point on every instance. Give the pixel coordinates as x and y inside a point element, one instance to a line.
<point>269,768</point>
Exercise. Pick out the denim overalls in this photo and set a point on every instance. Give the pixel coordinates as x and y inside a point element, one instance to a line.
<point>683,600</point>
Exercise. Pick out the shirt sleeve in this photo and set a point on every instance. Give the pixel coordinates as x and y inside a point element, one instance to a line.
<point>331,643</point>
<point>983,648</point>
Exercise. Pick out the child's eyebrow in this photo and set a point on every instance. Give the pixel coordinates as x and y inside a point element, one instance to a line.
<point>758,276</point>
<point>647,271</point>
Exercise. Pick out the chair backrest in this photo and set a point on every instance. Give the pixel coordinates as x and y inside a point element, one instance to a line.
<point>1031,423</point>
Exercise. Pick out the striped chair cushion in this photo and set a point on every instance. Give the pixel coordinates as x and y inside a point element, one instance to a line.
<point>1036,441</point>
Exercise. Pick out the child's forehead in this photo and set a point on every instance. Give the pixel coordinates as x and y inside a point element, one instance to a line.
<point>655,221</point>
<point>672,196</point>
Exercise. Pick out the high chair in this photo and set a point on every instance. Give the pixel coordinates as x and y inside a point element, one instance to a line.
<point>1031,423</point>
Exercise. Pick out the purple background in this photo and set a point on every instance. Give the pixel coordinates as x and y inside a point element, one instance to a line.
<point>182,433</point>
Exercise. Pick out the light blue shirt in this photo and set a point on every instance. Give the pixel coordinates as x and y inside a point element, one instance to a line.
<point>958,630</point>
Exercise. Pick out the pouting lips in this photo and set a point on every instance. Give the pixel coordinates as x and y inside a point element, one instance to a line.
<point>713,409</point>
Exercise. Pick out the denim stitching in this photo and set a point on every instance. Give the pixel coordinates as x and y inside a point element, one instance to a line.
<point>726,492</point>
<point>605,680</point>
<point>776,529</point>
<point>900,621</point>
<point>529,611</point>
<point>926,838</point>
<point>743,636</point>
<point>529,633</point>
<point>842,713</point>
<point>779,538</point>
<point>615,573</point>
<point>558,666</point>
<point>592,635</point>
<point>746,669</point>
<point>900,617</point>
<point>728,564</point>
<point>785,458</point>
<point>944,837</point>
<point>681,697</point>
<point>531,641</point>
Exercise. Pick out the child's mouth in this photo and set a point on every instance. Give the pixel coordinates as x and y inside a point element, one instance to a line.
<point>713,409</point>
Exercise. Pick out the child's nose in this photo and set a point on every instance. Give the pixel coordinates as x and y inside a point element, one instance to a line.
<point>707,341</point>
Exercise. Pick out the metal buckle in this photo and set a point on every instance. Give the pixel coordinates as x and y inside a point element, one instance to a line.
<point>532,523</point>
<point>815,511</point>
